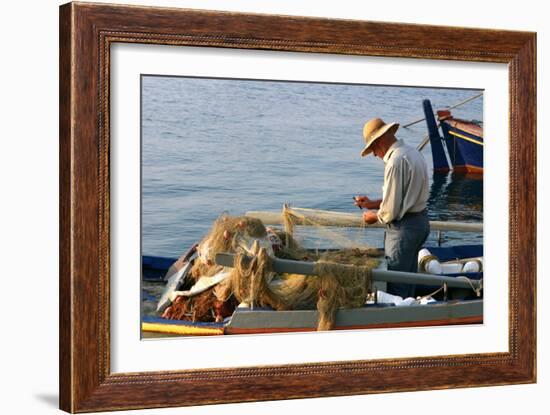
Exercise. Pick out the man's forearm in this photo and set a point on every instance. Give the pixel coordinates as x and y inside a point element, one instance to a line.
<point>374,204</point>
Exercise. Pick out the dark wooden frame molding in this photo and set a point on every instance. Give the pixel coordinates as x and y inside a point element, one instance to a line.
<point>86,33</point>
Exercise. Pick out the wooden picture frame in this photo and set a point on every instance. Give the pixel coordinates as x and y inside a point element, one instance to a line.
<point>86,33</point>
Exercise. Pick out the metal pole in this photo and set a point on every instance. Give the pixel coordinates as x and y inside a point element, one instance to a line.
<point>287,266</point>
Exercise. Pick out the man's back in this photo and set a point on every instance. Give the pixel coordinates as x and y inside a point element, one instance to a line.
<point>406,185</point>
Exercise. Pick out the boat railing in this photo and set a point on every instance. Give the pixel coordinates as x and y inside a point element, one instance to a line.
<point>316,217</point>
<point>309,268</point>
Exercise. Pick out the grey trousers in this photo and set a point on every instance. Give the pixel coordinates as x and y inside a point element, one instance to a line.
<point>402,241</point>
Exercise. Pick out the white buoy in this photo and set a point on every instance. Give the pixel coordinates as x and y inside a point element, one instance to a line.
<point>428,263</point>
<point>473,266</point>
<point>451,268</point>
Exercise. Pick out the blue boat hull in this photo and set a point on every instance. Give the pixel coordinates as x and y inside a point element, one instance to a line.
<point>462,142</point>
<point>465,149</point>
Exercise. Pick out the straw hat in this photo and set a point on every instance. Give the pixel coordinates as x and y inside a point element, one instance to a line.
<point>373,130</point>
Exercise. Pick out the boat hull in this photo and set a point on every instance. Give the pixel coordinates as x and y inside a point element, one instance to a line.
<point>462,142</point>
<point>247,321</point>
<point>371,316</point>
<point>465,148</point>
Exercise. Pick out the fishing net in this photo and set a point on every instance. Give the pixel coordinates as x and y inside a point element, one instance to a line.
<point>342,277</point>
<point>319,224</point>
<point>334,286</point>
<point>227,234</point>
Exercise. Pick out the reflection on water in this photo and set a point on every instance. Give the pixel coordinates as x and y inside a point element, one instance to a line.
<point>457,197</point>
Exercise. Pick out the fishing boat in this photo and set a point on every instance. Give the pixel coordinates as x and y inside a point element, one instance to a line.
<point>459,306</point>
<point>461,142</point>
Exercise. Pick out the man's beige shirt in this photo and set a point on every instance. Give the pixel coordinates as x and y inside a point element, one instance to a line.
<point>406,186</point>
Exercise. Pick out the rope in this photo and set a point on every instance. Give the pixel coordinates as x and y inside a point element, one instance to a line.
<point>465,101</point>
<point>431,294</point>
<point>476,290</point>
<point>450,108</point>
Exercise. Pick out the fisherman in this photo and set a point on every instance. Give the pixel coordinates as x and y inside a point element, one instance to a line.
<point>404,198</point>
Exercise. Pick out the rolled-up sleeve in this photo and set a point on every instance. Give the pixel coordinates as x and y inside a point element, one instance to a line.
<point>392,194</point>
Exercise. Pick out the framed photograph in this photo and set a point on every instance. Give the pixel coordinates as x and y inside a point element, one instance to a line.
<point>293,206</point>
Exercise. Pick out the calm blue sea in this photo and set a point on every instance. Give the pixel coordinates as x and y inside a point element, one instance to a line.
<point>216,145</point>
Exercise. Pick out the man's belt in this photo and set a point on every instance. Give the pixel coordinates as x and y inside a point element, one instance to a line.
<point>412,214</point>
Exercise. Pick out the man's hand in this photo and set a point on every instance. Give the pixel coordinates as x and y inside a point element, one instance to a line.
<point>365,203</point>
<point>362,201</point>
<point>370,217</point>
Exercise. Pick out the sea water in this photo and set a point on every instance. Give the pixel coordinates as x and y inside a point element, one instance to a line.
<point>222,145</point>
